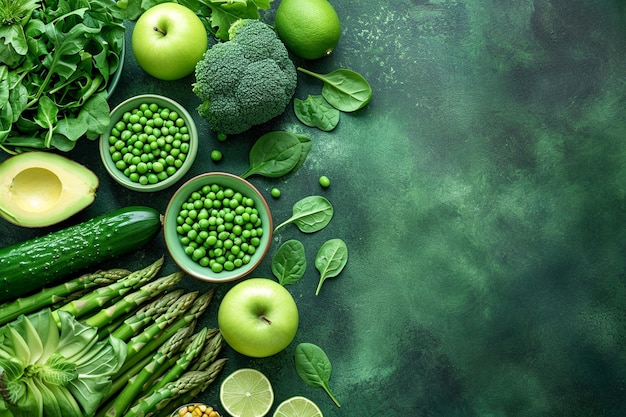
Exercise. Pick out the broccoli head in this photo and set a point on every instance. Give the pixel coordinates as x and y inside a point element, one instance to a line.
<point>245,81</point>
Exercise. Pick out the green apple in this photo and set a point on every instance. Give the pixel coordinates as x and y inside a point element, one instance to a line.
<point>168,40</point>
<point>258,317</point>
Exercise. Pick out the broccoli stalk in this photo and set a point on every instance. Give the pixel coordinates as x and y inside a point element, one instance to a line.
<point>245,81</point>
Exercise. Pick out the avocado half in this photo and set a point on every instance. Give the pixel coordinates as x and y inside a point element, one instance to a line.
<point>39,189</point>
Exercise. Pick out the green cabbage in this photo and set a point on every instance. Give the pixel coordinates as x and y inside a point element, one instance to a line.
<point>54,366</point>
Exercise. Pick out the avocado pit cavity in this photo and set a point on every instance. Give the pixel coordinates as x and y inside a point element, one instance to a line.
<point>36,189</point>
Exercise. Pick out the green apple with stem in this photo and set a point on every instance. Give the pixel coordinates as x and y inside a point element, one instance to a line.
<point>258,317</point>
<point>168,40</point>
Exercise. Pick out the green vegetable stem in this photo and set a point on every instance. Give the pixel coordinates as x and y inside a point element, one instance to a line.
<point>50,296</point>
<point>133,300</point>
<point>128,326</point>
<point>134,386</point>
<point>344,89</point>
<point>174,319</point>
<point>96,299</point>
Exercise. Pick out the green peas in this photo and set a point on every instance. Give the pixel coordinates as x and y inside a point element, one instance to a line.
<point>324,181</point>
<point>149,143</point>
<point>275,192</point>
<point>219,228</point>
<point>216,155</point>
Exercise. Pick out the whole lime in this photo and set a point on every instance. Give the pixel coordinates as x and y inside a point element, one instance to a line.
<point>309,28</point>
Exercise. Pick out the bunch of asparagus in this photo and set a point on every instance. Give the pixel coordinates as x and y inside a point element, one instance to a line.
<point>168,360</point>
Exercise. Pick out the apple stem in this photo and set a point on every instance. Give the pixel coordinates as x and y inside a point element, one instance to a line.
<point>156,29</point>
<point>268,321</point>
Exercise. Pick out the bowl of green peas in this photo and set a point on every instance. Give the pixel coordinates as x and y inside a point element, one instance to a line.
<point>150,144</point>
<point>217,227</point>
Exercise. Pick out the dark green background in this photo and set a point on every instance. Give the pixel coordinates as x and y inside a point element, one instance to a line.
<point>481,195</point>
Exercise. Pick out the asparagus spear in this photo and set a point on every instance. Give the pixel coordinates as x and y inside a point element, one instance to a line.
<point>205,360</point>
<point>210,351</point>
<point>134,386</point>
<point>99,297</point>
<point>158,400</point>
<point>134,366</point>
<point>184,360</point>
<point>133,324</point>
<point>47,297</point>
<point>132,300</point>
<point>154,334</point>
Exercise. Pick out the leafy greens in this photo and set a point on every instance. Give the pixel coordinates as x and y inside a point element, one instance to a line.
<point>56,63</point>
<point>58,370</point>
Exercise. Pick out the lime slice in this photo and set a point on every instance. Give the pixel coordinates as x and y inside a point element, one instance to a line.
<point>297,407</point>
<point>246,393</point>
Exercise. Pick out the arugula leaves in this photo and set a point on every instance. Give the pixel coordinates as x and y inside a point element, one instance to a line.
<point>55,68</point>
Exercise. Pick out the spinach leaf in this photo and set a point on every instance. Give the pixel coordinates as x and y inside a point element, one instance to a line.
<point>274,154</point>
<point>310,214</point>
<point>289,262</point>
<point>314,367</point>
<point>330,260</point>
<point>306,143</point>
<point>344,89</point>
<point>315,111</point>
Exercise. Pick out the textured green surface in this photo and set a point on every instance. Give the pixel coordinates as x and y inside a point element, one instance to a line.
<point>481,195</point>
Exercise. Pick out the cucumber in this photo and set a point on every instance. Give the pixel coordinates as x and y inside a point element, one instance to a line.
<point>31,265</point>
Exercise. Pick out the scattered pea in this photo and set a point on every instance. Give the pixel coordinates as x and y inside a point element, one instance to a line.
<point>219,228</point>
<point>149,143</point>
<point>216,155</point>
<point>221,137</point>
<point>275,192</point>
<point>324,181</point>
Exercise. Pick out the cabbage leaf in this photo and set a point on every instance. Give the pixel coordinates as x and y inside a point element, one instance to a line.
<point>53,365</point>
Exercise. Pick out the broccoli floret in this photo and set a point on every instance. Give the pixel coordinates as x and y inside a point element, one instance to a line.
<point>245,81</point>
